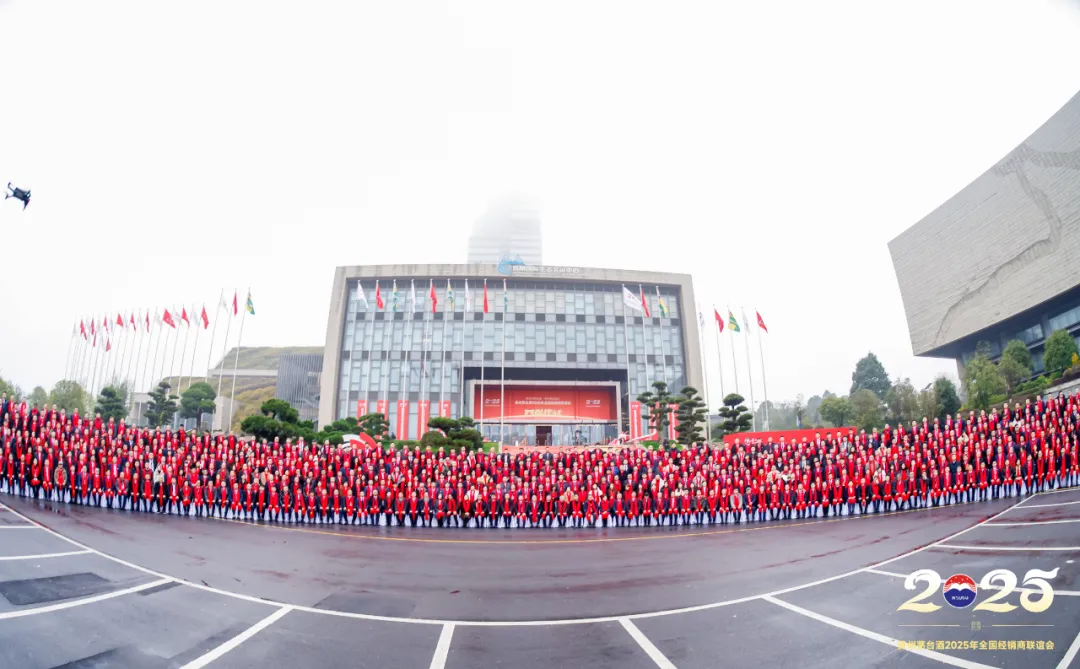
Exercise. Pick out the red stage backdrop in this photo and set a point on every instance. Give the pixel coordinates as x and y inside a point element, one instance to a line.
<point>788,435</point>
<point>548,404</point>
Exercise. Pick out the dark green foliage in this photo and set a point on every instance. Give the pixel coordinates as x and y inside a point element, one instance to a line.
<point>657,402</point>
<point>870,374</point>
<point>948,400</point>
<point>111,404</point>
<point>162,406</point>
<point>690,415</point>
<point>196,401</point>
<point>734,417</point>
<point>1060,348</point>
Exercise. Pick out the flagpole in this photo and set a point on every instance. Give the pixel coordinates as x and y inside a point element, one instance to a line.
<point>404,392</point>
<point>194,350</point>
<point>663,348</point>
<point>93,369</point>
<point>423,365</point>
<point>183,351</point>
<point>236,362</point>
<point>213,333</point>
<point>148,371</point>
<point>225,351</point>
<point>111,371</point>
<point>764,385</point>
<point>366,388</point>
<point>502,376</point>
<point>734,365</point>
<point>138,354</point>
<point>125,360</point>
<point>176,344</point>
<point>483,359</point>
<point>72,370</point>
<point>719,358</point>
<point>749,371</point>
<point>164,352</point>
<point>71,347</point>
<point>704,376</point>
<point>386,355</point>
<point>645,351</point>
<point>442,351</point>
<point>84,363</point>
<point>626,347</point>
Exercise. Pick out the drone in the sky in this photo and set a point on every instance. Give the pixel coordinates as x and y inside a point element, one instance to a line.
<point>18,194</point>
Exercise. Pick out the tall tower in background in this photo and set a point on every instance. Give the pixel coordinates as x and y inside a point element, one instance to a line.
<point>509,228</point>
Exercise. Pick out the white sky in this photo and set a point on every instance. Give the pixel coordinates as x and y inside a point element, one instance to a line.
<point>769,149</point>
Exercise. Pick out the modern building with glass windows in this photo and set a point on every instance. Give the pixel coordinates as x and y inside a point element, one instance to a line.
<point>1000,260</point>
<point>558,348</point>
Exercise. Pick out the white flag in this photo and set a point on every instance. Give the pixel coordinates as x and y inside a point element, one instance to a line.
<point>412,293</point>
<point>468,297</point>
<point>222,304</point>
<point>630,300</point>
<point>360,295</point>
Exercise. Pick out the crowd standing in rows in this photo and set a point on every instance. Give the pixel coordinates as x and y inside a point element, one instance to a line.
<point>1008,451</point>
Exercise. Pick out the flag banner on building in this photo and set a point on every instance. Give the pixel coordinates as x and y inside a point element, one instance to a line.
<point>379,304</point>
<point>644,304</point>
<point>383,407</point>
<point>402,431</point>
<point>673,422</point>
<point>630,300</point>
<point>423,413</point>
<point>250,304</point>
<point>167,319</point>
<point>361,408</point>
<point>434,298</point>
<point>660,302</point>
<point>719,321</point>
<point>485,297</point>
<point>360,296</point>
<point>635,420</point>
<point>205,318</point>
<point>761,323</point>
<point>450,295</point>
<point>445,410</point>
<point>733,324</point>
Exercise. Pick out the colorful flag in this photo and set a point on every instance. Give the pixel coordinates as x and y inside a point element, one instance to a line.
<point>719,321</point>
<point>450,294</point>
<point>205,318</point>
<point>82,329</point>
<point>468,297</point>
<point>184,316</point>
<point>761,323</point>
<point>379,304</point>
<point>644,304</point>
<point>434,299</point>
<point>250,304</point>
<point>485,297</point>
<point>361,296</point>
<point>167,319</point>
<point>630,300</point>
<point>733,324</point>
<point>133,326</point>
<point>393,307</point>
<point>660,301</point>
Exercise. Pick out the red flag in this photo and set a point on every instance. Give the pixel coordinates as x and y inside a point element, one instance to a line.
<point>167,319</point>
<point>119,320</point>
<point>760,323</point>
<point>205,318</point>
<point>93,331</point>
<point>235,307</point>
<point>183,316</point>
<point>434,299</point>
<point>148,320</point>
<point>719,321</point>
<point>644,304</point>
<point>378,297</point>
<point>95,340</point>
<point>82,329</point>
<point>485,297</point>
<point>105,323</point>
<point>133,326</point>
<point>108,345</point>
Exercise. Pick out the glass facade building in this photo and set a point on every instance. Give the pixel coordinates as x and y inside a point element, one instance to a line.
<point>570,329</point>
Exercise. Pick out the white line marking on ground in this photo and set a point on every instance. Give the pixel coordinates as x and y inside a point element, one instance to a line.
<point>240,638</point>
<point>497,623</point>
<point>1044,506</point>
<point>1070,654</point>
<point>1054,492</point>
<point>1034,522</point>
<point>650,649</point>
<point>79,602</point>
<point>17,527</point>
<point>1008,548</point>
<point>442,649</point>
<point>43,556</point>
<point>1065,593</point>
<point>881,638</point>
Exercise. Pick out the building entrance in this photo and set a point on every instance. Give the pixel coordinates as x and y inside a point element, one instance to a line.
<point>543,435</point>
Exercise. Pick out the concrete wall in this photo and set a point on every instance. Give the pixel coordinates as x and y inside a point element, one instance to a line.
<point>343,275</point>
<point>1004,244</point>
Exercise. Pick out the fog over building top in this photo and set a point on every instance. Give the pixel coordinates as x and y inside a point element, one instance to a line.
<point>509,228</point>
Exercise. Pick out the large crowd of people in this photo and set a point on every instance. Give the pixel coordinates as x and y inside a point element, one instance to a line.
<point>1007,451</point>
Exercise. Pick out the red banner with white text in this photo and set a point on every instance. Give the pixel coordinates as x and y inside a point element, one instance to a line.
<point>361,408</point>
<point>423,413</point>
<point>547,404</point>
<point>635,420</point>
<point>445,413</point>
<point>402,431</point>
<point>383,407</point>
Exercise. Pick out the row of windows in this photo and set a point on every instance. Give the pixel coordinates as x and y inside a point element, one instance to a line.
<point>520,297</point>
<point>1066,319</point>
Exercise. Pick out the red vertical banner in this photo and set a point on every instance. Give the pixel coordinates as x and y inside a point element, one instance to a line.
<point>445,411</point>
<point>383,407</point>
<point>635,419</point>
<point>402,419</point>
<point>423,413</point>
<point>361,408</point>
<point>673,422</point>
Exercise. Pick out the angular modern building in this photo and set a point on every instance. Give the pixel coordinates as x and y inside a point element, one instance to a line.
<point>1000,260</point>
<point>543,355</point>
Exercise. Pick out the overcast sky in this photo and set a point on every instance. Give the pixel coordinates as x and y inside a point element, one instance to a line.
<point>771,149</point>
